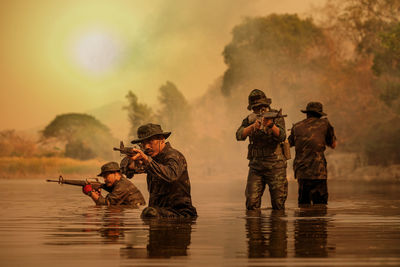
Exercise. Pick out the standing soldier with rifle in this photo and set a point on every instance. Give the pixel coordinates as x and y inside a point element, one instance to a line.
<point>310,138</point>
<point>266,152</point>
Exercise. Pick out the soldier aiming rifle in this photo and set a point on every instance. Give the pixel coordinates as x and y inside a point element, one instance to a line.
<point>121,190</point>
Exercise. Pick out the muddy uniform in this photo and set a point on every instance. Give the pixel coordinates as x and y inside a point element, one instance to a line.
<point>310,137</point>
<point>169,186</point>
<point>267,165</point>
<point>123,192</point>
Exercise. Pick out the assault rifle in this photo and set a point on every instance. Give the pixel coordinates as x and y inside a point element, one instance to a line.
<point>272,114</point>
<point>123,150</point>
<point>128,166</point>
<point>94,182</point>
<point>266,114</point>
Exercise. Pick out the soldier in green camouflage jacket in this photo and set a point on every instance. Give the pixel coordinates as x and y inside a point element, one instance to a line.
<point>310,137</point>
<point>267,164</point>
<point>121,190</point>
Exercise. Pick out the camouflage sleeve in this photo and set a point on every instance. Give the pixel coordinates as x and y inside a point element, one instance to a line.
<point>330,135</point>
<point>291,137</point>
<point>280,123</point>
<point>239,132</point>
<point>168,172</point>
<point>116,197</point>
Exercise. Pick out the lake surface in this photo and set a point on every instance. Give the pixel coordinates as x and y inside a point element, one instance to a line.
<point>45,224</point>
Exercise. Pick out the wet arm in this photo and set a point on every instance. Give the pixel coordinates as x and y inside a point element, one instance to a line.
<point>245,130</point>
<point>278,130</point>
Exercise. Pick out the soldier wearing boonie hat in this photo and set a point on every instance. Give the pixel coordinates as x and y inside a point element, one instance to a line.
<point>267,163</point>
<point>121,190</point>
<point>310,138</point>
<point>167,175</point>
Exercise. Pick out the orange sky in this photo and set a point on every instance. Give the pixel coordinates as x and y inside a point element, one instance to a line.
<point>76,55</point>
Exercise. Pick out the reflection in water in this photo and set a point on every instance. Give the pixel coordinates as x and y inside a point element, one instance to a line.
<point>267,236</point>
<point>113,224</point>
<point>311,234</point>
<point>166,238</point>
<point>77,229</point>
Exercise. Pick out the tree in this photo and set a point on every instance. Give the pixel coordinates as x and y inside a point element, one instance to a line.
<point>138,113</point>
<point>267,51</point>
<point>363,21</point>
<point>175,110</point>
<point>84,135</point>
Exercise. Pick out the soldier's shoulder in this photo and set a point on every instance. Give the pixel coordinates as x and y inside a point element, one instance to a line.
<point>123,184</point>
<point>174,153</point>
<point>300,123</point>
<point>326,121</point>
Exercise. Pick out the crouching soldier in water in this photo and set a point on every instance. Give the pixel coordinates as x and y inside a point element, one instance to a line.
<point>167,175</point>
<point>267,163</point>
<point>310,137</point>
<point>121,191</point>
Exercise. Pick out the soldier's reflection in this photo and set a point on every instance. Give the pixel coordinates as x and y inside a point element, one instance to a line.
<point>166,238</point>
<point>113,224</point>
<point>311,234</point>
<point>267,235</point>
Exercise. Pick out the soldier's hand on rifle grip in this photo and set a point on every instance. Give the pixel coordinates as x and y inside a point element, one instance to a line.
<point>140,155</point>
<point>256,125</point>
<point>268,122</point>
<point>87,189</point>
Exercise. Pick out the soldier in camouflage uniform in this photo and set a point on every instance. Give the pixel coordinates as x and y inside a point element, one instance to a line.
<point>121,191</point>
<point>267,164</point>
<point>310,137</point>
<point>167,175</point>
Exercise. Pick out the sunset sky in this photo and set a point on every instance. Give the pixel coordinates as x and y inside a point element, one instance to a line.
<point>73,56</point>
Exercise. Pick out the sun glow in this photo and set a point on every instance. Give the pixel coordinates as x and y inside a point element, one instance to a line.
<point>98,52</point>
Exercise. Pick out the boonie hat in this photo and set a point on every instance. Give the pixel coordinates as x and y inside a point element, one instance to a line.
<point>149,130</point>
<point>258,98</point>
<point>109,167</point>
<point>315,107</point>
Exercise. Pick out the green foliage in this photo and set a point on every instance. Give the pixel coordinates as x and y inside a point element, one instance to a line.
<point>138,113</point>
<point>363,21</point>
<point>85,136</point>
<point>387,55</point>
<point>175,110</point>
<point>269,44</point>
<point>373,26</point>
<point>386,65</point>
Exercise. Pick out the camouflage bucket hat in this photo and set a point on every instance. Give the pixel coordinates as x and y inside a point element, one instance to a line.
<point>149,130</point>
<point>315,107</point>
<point>258,98</point>
<point>109,167</point>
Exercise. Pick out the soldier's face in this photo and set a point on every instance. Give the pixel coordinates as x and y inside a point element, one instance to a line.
<point>110,178</point>
<point>259,109</point>
<point>153,146</point>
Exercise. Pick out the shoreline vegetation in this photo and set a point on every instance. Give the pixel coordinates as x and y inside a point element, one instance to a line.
<point>47,167</point>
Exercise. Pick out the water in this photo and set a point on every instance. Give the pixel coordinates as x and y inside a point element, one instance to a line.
<point>43,224</point>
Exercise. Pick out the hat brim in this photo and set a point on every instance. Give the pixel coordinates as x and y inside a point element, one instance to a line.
<point>139,140</point>
<point>312,111</point>
<point>110,171</point>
